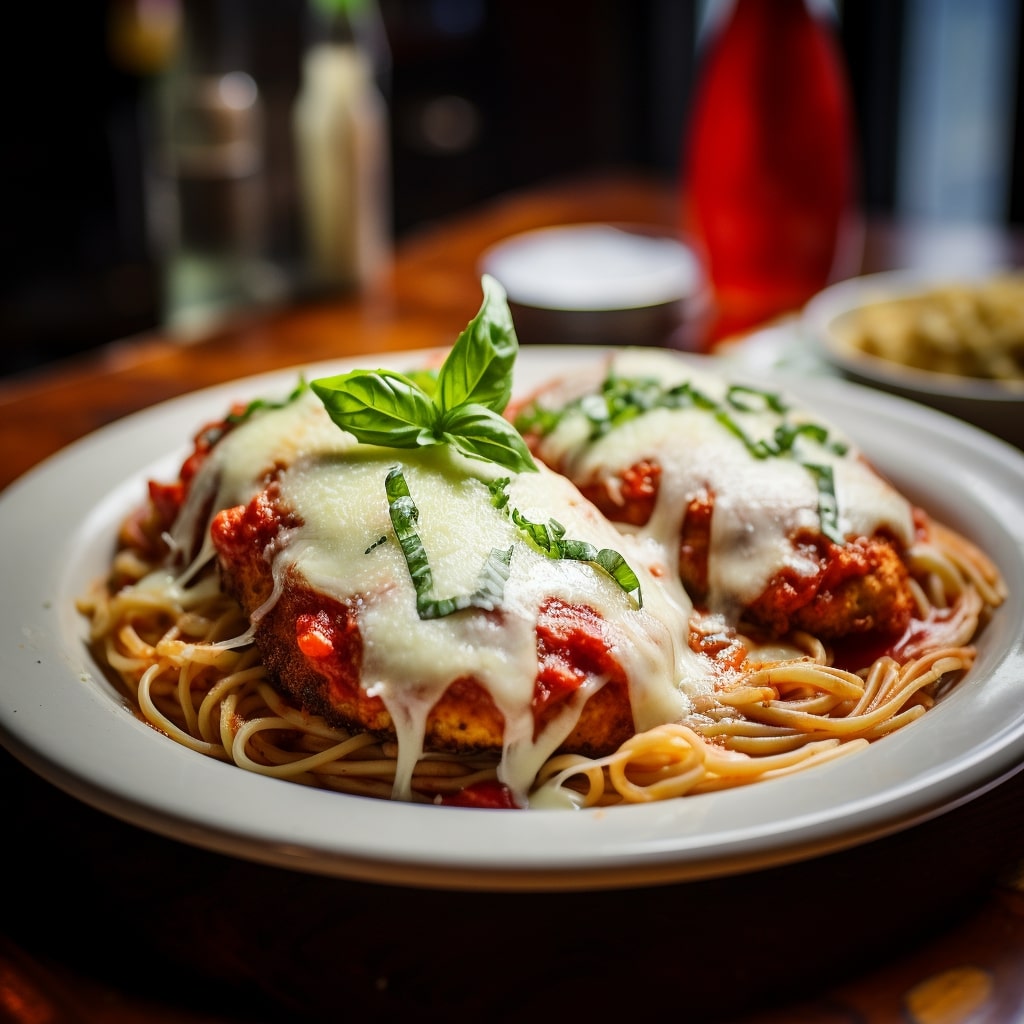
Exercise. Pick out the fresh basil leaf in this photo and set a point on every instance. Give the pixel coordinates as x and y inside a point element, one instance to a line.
<point>404,517</point>
<point>379,407</point>
<point>425,380</point>
<point>478,370</point>
<point>480,433</point>
<point>460,405</point>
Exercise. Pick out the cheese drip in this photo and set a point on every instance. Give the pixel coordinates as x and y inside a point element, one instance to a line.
<point>758,503</point>
<point>345,548</point>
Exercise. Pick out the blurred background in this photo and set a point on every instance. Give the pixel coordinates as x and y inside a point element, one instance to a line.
<point>482,96</point>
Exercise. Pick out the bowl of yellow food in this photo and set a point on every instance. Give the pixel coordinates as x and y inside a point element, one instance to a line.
<point>955,343</point>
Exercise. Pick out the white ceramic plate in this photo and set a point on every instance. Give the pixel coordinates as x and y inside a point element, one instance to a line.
<point>61,717</point>
<point>997,407</point>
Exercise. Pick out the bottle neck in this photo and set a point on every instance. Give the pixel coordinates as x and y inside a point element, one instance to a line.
<point>352,23</point>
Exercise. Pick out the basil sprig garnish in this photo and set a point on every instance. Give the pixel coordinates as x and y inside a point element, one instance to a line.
<point>404,517</point>
<point>621,399</point>
<point>463,407</point>
<point>549,539</point>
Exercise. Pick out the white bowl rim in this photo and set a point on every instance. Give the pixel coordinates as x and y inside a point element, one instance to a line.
<point>828,305</point>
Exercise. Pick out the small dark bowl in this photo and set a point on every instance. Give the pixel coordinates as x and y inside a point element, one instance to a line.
<point>603,285</point>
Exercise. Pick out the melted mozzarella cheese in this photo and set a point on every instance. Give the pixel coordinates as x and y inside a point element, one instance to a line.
<point>241,462</point>
<point>345,547</point>
<point>758,503</point>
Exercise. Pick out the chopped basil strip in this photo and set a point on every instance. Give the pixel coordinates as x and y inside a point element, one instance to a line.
<point>212,434</point>
<point>621,399</point>
<point>828,506</point>
<point>461,406</point>
<point>258,404</point>
<point>404,517</point>
<point>738,394</point>
<point>549,539</point>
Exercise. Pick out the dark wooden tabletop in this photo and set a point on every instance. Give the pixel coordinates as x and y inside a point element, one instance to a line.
<point>103,922</point>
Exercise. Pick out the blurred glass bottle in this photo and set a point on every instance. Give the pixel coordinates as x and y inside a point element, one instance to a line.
<point>209,189</point>
<point>769,179</point>
<point>342,146</point>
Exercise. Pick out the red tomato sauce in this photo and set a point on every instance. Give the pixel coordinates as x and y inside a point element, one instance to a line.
<point>571,647</point>
<point>243,531</point>
<point>489,795</point>
<point>857,652</point>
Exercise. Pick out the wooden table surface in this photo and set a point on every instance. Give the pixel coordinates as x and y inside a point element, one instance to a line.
<point>103,922</point>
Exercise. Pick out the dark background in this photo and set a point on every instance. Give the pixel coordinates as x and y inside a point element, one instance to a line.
<point>530,90</point>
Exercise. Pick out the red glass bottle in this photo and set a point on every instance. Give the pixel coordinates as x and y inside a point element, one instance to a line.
<point>768,171</point>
